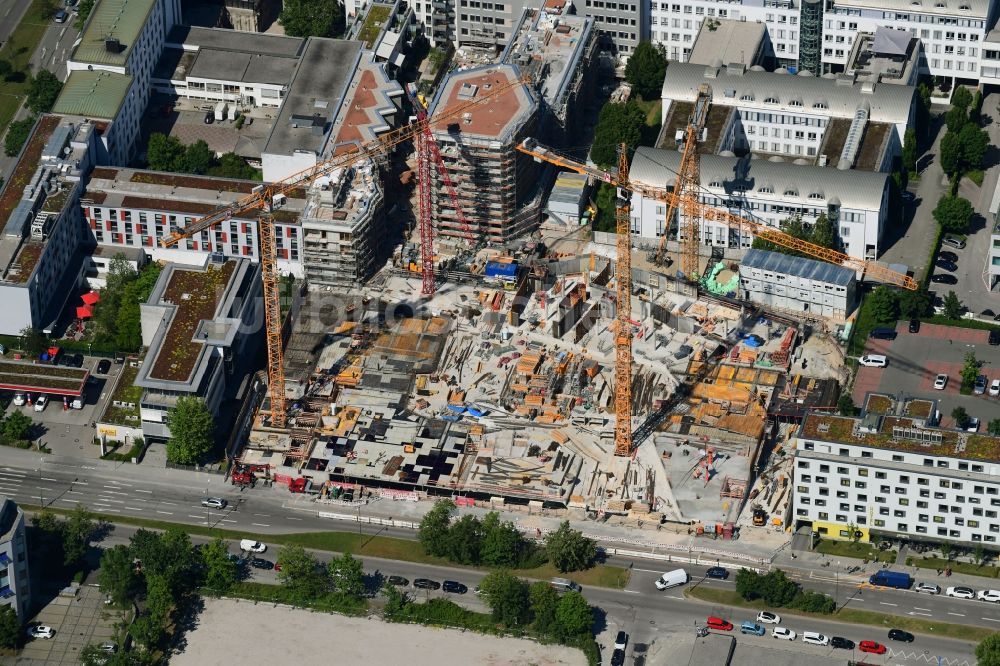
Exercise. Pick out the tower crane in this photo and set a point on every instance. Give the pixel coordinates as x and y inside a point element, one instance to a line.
<point>623,263</point>
<point>265,197</point>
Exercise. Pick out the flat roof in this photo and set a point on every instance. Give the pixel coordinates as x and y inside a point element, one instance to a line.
<point>223,39</point>
<point>118,19</point>
<point>93,94</point>
<point>316,88</point>
<point>42,378</point>
<point>246,67</point>
<point>366,112</point>
<point>802,267</point>
<point>729,41</point>
<point>886,55</point>
<point>504,113</point>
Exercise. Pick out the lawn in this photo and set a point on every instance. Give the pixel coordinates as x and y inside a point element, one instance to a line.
<point>960,323</point>
<point>18,51</point>
<point>854,616</point>
<point>652,110</point>
<point>404,550</point>
<point>976,176</point>
<point>968,568</point>
<point>374,21</point>
<point>9,104</point>
<point>858,550</point>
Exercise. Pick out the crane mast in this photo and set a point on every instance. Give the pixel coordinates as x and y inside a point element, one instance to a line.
<point>623,330</point>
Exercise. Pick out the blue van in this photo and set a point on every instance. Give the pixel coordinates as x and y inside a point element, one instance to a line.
<point>749,627</point>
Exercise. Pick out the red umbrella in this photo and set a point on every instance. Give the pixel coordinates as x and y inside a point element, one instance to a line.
<point>84,312</point>
<point>90,297</point>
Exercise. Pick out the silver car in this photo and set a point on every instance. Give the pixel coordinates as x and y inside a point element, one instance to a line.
<point>927,588</point>
<point>214,503</point>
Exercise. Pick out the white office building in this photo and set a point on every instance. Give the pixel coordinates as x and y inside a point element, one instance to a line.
<point>897,477</point>
<point>769,192</point>
<point>14,581</point>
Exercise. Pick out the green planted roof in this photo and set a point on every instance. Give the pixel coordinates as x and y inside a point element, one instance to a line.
<point>93,94</point>
<point>118,19</point>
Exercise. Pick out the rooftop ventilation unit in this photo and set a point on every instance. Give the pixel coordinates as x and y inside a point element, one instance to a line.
<point>113,45</point>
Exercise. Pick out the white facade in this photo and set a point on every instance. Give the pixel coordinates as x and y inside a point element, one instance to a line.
<point>993,256</point>
<point>14,580</point>
<point>769,192</point>
<point>796,284</point>
<point>903,488</point>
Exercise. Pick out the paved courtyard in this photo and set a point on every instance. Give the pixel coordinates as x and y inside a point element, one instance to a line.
<point>78,621</point>
<point>915,359</point>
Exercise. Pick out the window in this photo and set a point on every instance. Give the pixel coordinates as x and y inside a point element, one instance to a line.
<point>863,471</point>
<point>880,475</point>
<point>771,100</point>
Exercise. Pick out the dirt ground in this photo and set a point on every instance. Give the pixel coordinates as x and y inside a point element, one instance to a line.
<point>231,631</point>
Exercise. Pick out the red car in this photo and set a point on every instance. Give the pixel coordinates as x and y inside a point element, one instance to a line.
<point>872,647</point>
<point>720,624</point>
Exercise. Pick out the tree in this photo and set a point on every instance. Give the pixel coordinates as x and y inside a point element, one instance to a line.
<point>988,651</point>
<point>117,577</point>
<point>978,554</point>
<point>17,135</point>
<point>994,427</point>
<point>970,370</point>
<point>169,555</point>
<point>10,627</point>
<point>956,119</point>
<point>953,213</point>
<point>974,143</point>
<point>311,18</point>
<point>952,306</point>
<point>301,573</point>
<point>617,123</point>
<point>747,584</point>
<point>961,419</point>
<point>232,165</point>
<point>910,151</point>
<point>33,341</point>
<point>221,571</point>
<point>165,153</point>
<point>574,617</point>
<point>5,69</point>
<point>777,589</point>
<point>348,575</point>
<point>854,532</point>
<point>78,530</point>
<point>191,427</point>
<point>17,426</point>
<point>569,550</point>
<point>83,13</point>
<point>885,304</point>
<point>394,599</point>
<point>128,326</point>
<point>845,405</point>
<point>915,304</point>
<point>823,233</point>
<point>502,544</point>
<point>646,68</point>
<point>43,91</point>
<point>198,158</point>
<point>945,547</point>
<point>794,227</point>
<point>147,631</point>
<point>507,597</point>
<point>961,98</point>
<point>433,531</point>
<point>977,106</point>
<point>543,601</point>
<point>951,152</point>
<point>464,539</point>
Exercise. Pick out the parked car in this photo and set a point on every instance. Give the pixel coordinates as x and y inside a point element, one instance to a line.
<point>883,333</point>
<point>946,265</point>
<point>749,627</point>
<point>995,387</point>
<point>720,573</point>
<point>873,361</point>
<point>940,278</point>
<point>951,241</point>
<point>928,588</point>
<point>398,581</point>
<point>914,326</point>
<point>947,256</point>
<point>841,643</point>
<point>214,503</point>
<point>621,640</point>
<point>108,646</point>
<point>209,118</point>
<point>972,425</point>
<point>41,631</point>
<point>768,617</point>
<point>252,546</point>
<point>261,563</point>
<point>871,647</point>
<point>814,638</point>
<point>426,584</point>
<point>454,587</point>
<point>900,635</point>
<point>989,595</point>
<point>940,382</point>
<point>979,387</point>
<point>960,592</point>
<point>618,658</point>
<point>41,403</point>
<point>19,399</point>
<point>994,337</point>
<point>103,367</point>
<point>719,623</point>
<point>77,360</point>
<point>60,16</point>
<point>783,632</point>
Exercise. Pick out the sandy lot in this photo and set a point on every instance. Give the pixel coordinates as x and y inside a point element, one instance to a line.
<point>241,632</point>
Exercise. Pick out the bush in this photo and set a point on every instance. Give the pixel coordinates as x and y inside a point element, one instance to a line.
<point>814,602</point>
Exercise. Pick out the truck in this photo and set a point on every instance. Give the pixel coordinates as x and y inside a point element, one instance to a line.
<point>886,578</point>
<point>672,579</point>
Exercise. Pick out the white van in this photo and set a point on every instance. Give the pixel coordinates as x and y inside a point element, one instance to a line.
<point>873,361</point>
<point>565,585</point>
<point>249,545</point>
<point>672,579</point>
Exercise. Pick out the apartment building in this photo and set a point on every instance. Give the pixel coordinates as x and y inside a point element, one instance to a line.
<point>768,192</point>
<point>344,217</point>
<point>827,121</point>
<point>886,55</point>
<point>796,284</point>
<point>41,247</point>
<point>15,590</point>
<point>199,326</point>
<point>993,258</point>
<point>134,208</point>
<point>724,41</point>
<point>111,66</point>
<point>497,186</point>
<point>896,476</point>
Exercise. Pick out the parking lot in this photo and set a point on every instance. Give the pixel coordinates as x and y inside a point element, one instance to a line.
<point>187,122</point>
<point>915,359</point>
<point>69,431</point>
<point>78,621</point>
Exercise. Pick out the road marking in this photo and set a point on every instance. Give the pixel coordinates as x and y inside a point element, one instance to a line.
<point>263,515</point>
<point>193,516</point>
<point>674,597</point>
<point>12,472</point>
<point>63,499</point>
<point>647,570</point>
<point>75,492</point>
<point>956,614</point>
<point>259,525</point>
<point>133,508</point>
<point>108,499</point>
<point>991,619</point>
<point>632,591</point>
<point>112,492</point>
<point>168,503</point>
<point>166,513</point>
<point>886,603</point>
<point>928,610</point>
<point>45,478</point>
<point>924,614</point>
<point>148,492</point>
<point>114,510</point>
<point>81,483</point>
<point>291,518</point>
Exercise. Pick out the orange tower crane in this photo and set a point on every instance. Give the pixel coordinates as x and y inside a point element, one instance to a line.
<point>623,330</point>
<point>265,198</point>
